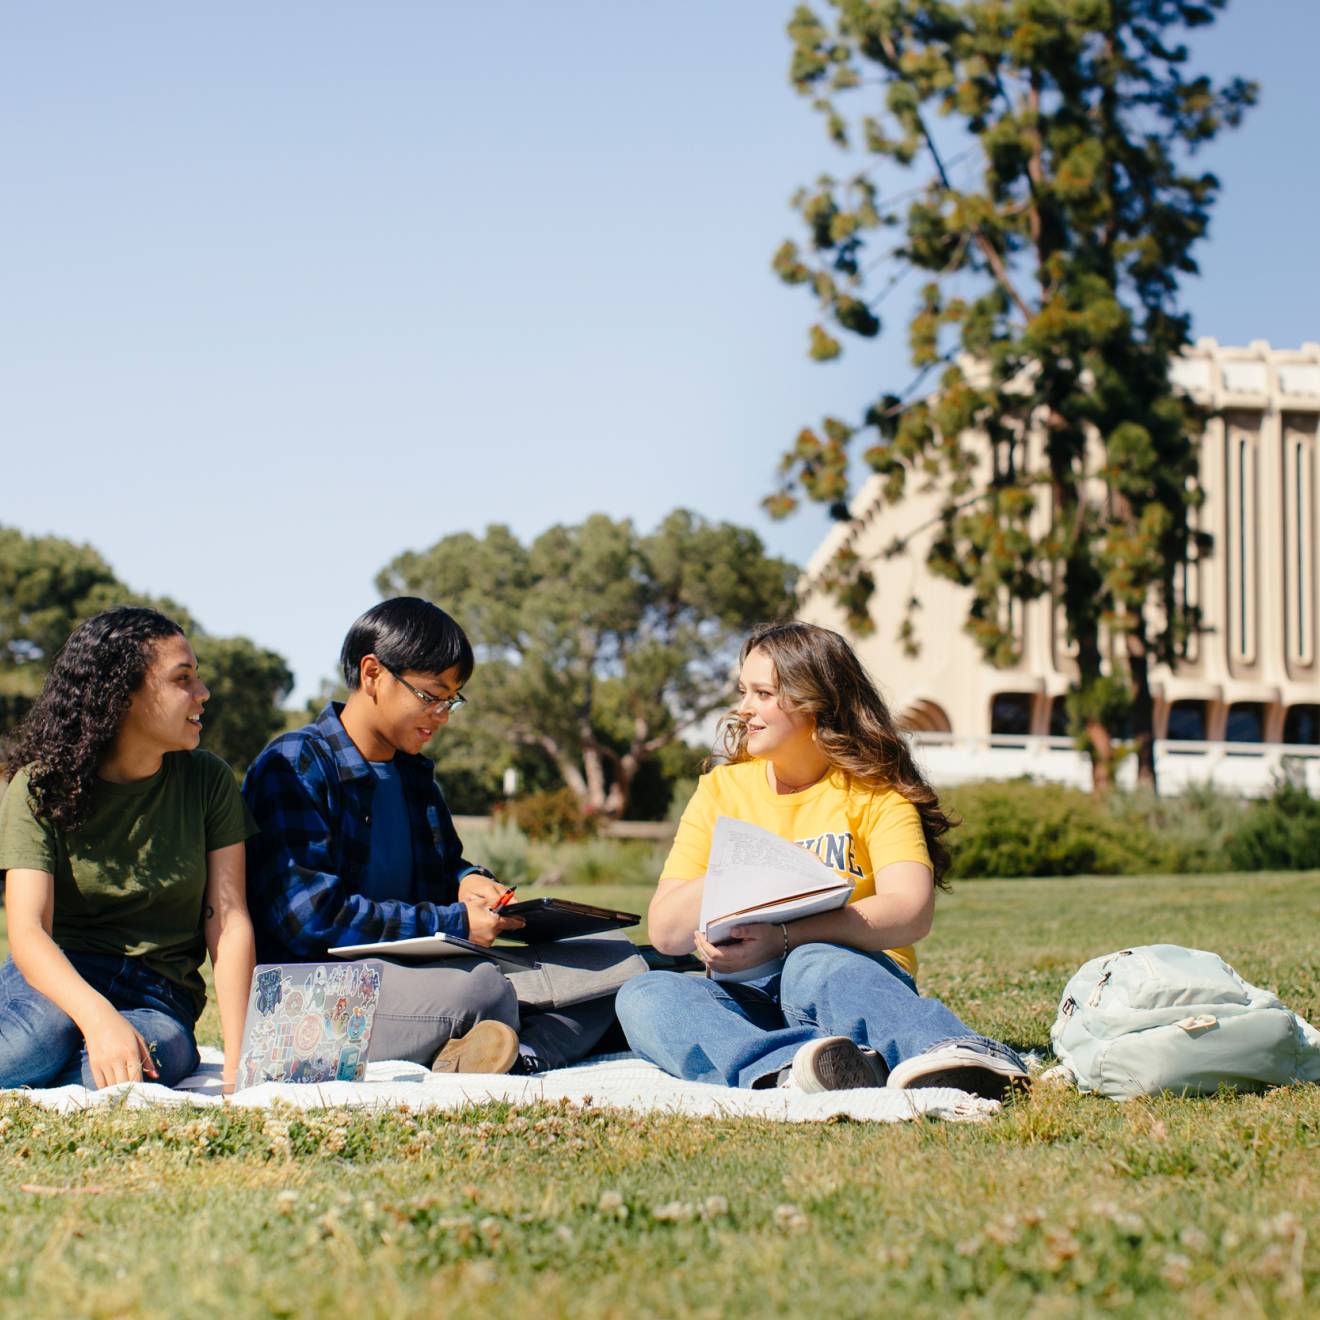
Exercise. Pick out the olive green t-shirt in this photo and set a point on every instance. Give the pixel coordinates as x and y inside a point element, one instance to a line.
<point>131,878</point>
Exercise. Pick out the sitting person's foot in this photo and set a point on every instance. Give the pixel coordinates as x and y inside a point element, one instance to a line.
<point>528,1063</point>
<point>832,1063</point>
<point>490,1047</point>
<point>983,1067</point>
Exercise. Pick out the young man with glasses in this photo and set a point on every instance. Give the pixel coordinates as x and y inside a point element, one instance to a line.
<point>357,846</point>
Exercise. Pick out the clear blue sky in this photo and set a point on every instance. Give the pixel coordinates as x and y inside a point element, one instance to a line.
<point>289,288</point>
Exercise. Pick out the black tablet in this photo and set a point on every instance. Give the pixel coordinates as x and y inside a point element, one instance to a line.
<point>560,919</point>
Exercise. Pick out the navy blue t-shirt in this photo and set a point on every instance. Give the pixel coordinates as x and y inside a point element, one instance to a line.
<point>390,871</point>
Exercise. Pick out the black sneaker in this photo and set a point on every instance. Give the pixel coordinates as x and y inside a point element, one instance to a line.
<point>528,1065</point>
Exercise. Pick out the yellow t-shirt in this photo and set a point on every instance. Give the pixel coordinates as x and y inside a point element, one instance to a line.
<point>854,829</point>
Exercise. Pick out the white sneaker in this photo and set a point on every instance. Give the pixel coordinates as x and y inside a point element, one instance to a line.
<point>983,1067</point>
<point>832,1063</point>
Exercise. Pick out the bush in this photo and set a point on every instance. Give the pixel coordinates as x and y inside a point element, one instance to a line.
<point>503,849</point>
<point>1279,833</point>
<point>1191,831</point>
<point>1017,828</point>
<point>552,817</point>
<point>609,862</point>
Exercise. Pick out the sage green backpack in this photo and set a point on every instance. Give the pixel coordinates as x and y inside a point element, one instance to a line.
<point>1164,1018</point>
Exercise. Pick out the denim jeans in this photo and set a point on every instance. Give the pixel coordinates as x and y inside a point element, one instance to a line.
<point>40,1044</point>
<point>740,1033</point>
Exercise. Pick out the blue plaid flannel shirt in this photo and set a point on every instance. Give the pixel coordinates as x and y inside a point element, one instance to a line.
<point>311,792</point>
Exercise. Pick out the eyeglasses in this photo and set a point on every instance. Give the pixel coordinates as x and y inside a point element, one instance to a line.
<point>447,704</point>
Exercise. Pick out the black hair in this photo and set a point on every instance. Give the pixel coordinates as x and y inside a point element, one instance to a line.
<point>82,704</point>
<point>406,633</point>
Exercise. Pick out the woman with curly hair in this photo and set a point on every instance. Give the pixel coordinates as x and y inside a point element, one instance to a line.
<point>123,848</point>
<point>826,1002</point>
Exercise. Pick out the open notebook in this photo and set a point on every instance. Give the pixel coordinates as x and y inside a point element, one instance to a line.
<point>754,876</point>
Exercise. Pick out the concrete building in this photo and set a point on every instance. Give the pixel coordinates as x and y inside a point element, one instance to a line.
<point>1247,693</point>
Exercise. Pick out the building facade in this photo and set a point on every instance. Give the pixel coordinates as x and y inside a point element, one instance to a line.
<point>1245,697</point>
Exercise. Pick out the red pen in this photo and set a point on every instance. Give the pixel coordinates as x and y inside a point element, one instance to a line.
<point>504,898</point>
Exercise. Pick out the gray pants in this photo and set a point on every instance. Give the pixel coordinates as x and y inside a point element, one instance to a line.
<point>422,1007</point>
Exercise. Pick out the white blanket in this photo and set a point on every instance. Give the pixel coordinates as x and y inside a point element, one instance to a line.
<point>614,1082</point>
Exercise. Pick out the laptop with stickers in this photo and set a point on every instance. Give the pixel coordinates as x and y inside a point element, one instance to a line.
<point>309,1022</point>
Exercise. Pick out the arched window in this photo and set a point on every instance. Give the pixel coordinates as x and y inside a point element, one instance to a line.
<point>1010,713</point>
<point>1246,722</point>
<point>1302,725</point>
<point>1186,722</point>
<point>1058,717</point>
<point>1121,730</point>
<point>925,717</point>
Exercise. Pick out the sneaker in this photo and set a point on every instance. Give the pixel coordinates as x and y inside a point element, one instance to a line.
<point>877,1062</point>
<point>490,1047</point>
<point>983,1067</point>
<point>528,1064</point>
<point>832,1063</point>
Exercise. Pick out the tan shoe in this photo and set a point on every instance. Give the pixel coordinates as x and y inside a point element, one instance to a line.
<point>490,1047</point>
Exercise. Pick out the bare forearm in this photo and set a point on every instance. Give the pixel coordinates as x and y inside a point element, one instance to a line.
<point>233,957</point>
<point>883,921</point>
<point>49,972</point>
<point>673,915</point>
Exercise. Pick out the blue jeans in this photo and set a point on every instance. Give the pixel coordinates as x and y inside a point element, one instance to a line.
<point>40,1044</point>
<point>742,1033</point>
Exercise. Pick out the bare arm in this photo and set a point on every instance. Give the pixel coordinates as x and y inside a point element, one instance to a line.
<point>898,913</point>
<point>115,1050</point>
<point>230,943</point>
<point>672,916</point>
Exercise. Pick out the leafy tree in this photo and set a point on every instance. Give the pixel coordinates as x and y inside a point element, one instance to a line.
<point>1058,214</point>
<point>599,646</point>
<point>49,585</point>
<point>472,754</point>
<point>46,588</point>
<point>247,684</point>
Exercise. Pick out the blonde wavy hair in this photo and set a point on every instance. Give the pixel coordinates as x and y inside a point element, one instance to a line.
<point>820,675</point>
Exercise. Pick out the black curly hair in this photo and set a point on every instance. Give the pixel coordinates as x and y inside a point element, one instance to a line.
<point>82,704</point>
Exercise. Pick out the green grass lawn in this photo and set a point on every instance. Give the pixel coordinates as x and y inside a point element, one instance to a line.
<point>1063,1205</point>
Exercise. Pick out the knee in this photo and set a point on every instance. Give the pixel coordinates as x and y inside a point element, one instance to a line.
<point>810,966</point>
<point>490,994</point>
<point>37,1040</point>
<point>640,999</point>
<point>172,1048</point>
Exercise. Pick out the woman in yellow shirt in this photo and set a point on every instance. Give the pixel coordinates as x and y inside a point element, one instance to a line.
<point>813,756</point>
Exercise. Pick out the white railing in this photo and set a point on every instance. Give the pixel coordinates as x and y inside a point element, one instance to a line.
<point>1249,769</point>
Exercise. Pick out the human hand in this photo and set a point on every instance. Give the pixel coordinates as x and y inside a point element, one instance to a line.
<point>484,925</point>
<point>474,885</point>
<point>117,1052</point>
<point>744,947</point>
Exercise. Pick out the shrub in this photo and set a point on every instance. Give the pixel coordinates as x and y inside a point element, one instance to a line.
<point>1192,830</point>
<point>551,817</point>
<point>1278,833</point>
<point>609,862</point>
<point>503,849</point>
<point>1017,828</point>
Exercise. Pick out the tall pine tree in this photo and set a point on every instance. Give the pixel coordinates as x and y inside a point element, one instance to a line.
<point>1057,213</point>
